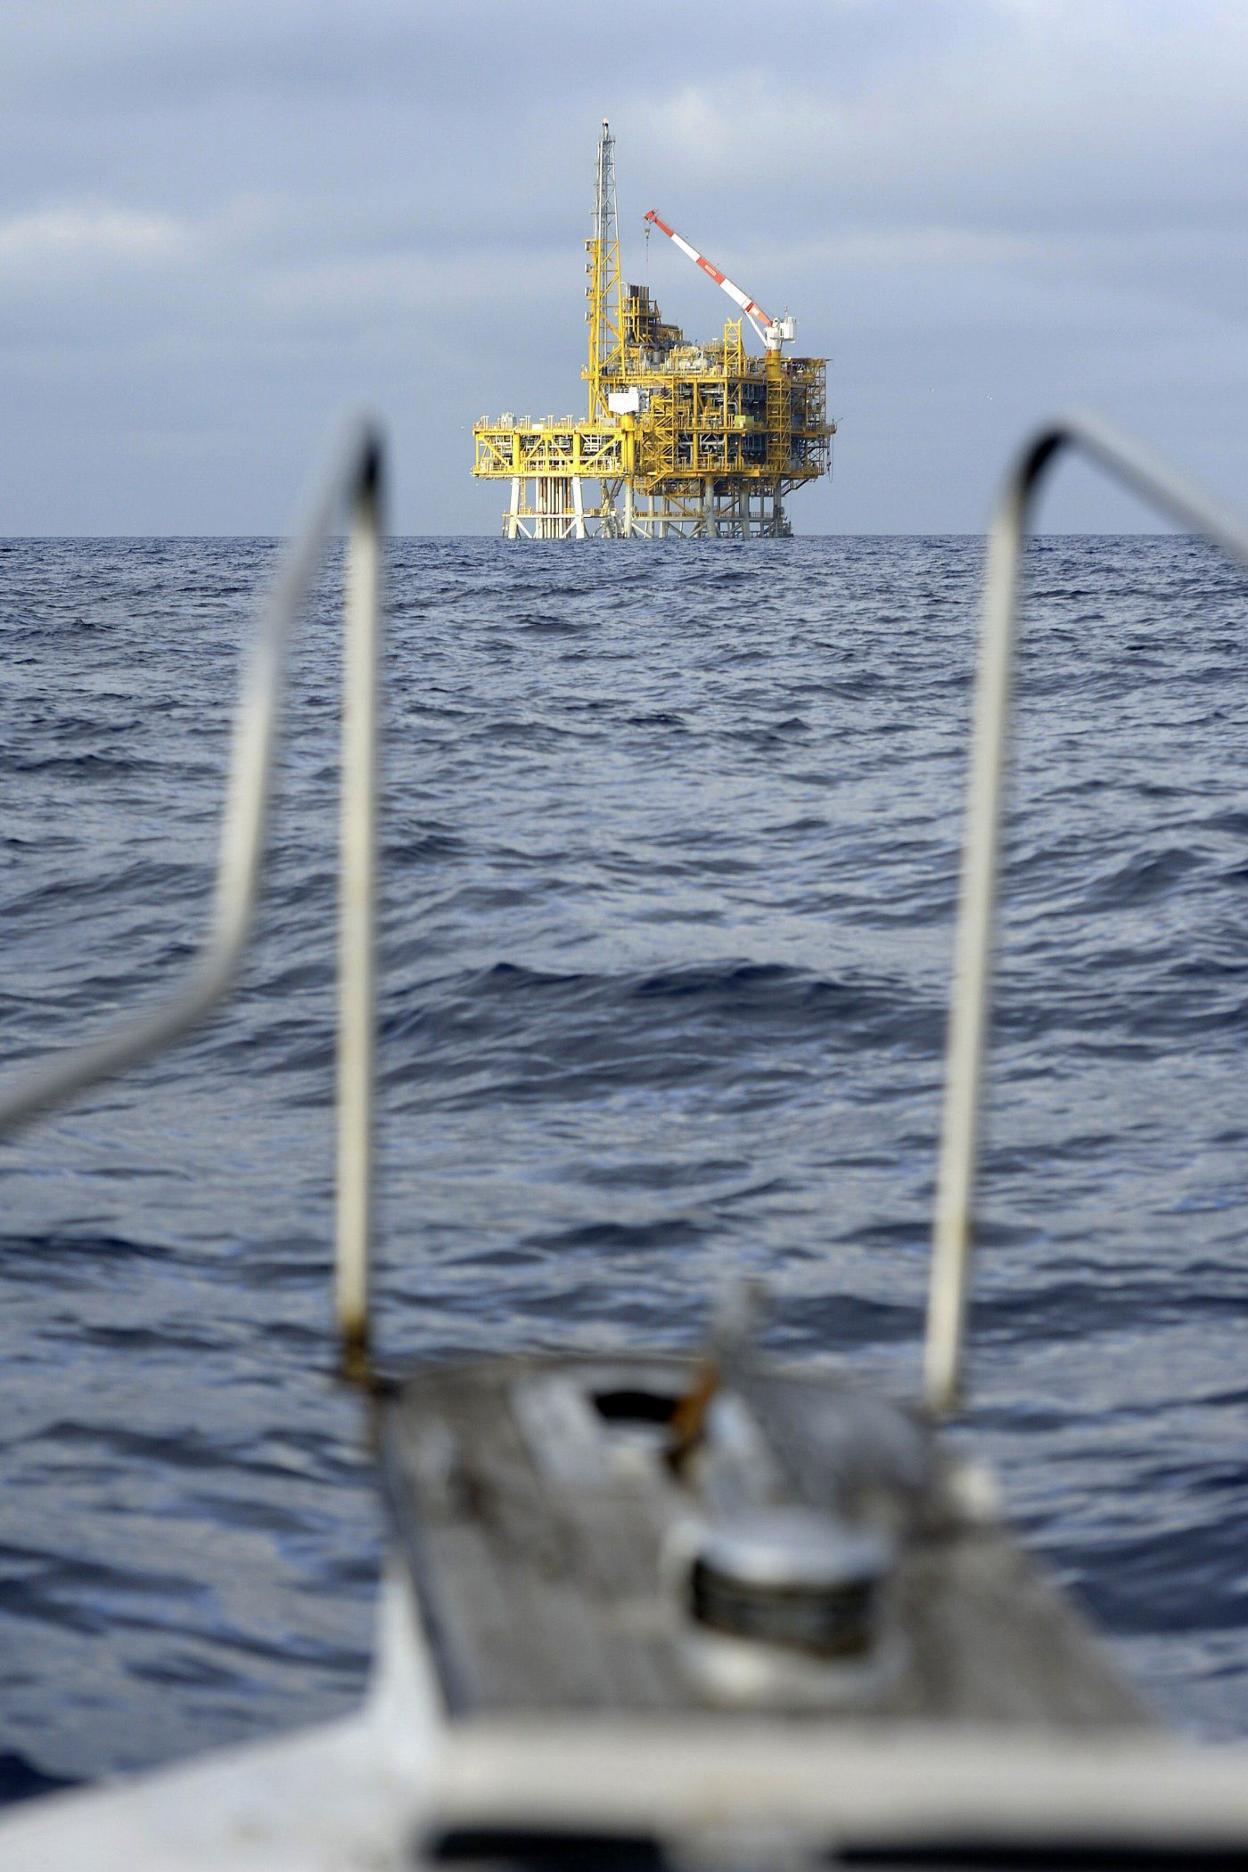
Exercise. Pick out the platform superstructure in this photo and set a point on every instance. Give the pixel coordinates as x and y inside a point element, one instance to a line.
<point>680,438</point>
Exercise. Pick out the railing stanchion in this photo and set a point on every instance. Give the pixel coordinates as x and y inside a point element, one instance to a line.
<point>358,912</point>
<point>353,486</point>
<point>970,1003</point>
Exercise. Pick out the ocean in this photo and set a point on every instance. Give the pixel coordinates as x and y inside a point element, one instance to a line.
<point>670,853</point>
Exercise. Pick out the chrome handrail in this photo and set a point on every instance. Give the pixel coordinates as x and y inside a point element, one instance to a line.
<point>351,489</point>
<point>971,997</point>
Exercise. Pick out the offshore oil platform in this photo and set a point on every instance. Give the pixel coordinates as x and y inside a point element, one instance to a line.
<point>701,441</point>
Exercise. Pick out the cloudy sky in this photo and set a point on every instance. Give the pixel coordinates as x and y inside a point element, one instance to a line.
<point>224,222</point>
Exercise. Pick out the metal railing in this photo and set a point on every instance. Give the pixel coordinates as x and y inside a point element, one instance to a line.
<point>352,490</point>
<point>971,997</point>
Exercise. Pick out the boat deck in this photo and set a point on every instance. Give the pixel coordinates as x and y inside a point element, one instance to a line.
<point>548,1532</point>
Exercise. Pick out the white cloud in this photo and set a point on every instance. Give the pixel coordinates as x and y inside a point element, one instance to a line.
<point>890,249</point>
<point>425,281</point>
<point>71,236</point>
<point>1058,110</point>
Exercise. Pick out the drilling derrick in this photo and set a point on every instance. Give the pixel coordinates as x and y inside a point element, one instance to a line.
<point>603,291</point>
<point>694,440</point>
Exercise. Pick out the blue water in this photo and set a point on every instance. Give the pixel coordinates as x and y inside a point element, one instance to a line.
<point>670,855</point>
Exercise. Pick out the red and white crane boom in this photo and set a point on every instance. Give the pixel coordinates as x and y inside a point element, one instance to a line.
<point>773,332</point>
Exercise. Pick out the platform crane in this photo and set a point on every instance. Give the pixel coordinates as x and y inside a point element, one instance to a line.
<point>774,333</point>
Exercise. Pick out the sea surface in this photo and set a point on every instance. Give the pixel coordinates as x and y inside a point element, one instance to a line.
<point>670,855</point>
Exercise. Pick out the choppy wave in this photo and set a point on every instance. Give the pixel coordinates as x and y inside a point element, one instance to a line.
<point>670,845</point>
